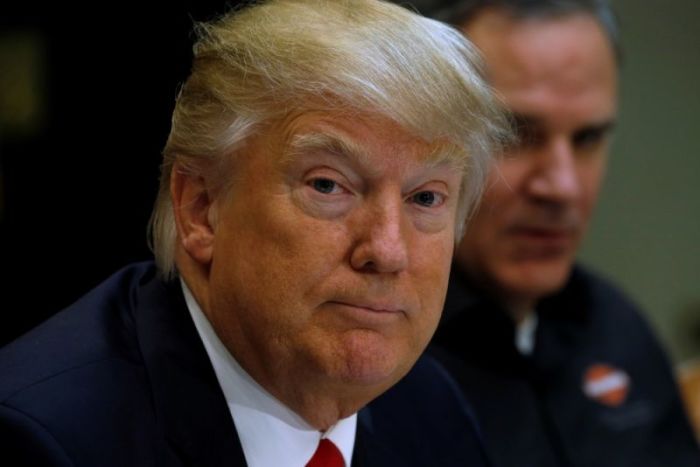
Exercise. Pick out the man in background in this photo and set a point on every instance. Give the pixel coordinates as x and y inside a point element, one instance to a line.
<point>560,366</point>
<point>315,181</point>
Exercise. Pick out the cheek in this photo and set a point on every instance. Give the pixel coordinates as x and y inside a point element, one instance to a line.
<point>591,178</point>
<point>293,262</point>
<point>271,253</point>
<point>502,187</point>
<point>267,285</point>
<point>484,245</point>
<point>432,269</point>
<point>490,216</point>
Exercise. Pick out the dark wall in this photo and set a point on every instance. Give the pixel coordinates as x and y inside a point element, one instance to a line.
<point>77,189</point>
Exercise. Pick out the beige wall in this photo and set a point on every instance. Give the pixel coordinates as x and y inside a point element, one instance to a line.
<point>646,232</point>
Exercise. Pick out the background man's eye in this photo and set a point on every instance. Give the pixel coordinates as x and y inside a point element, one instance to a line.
<point>528,134</point>
<point>323,185</point>
<point>426,198</point>
<point>588,138</point>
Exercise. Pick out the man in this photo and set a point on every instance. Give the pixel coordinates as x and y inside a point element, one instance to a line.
<point>560,366</point>
<point>314,183</point>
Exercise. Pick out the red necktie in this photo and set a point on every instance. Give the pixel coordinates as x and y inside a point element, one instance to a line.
<point>326,455</point>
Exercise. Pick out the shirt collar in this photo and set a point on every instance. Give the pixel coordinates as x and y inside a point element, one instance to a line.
<point>525,332</point>
<point>270,433</point>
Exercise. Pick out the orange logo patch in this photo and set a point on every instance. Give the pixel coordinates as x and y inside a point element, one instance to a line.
<point>606,384</point>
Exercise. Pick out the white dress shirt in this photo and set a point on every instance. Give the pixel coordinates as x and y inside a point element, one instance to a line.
<point>525,332</point>
<point>271,434</point>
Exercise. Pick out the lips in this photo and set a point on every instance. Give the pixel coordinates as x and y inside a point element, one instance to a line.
<point>542,243</point>
<point>360,312</point>
<point>545,234</point>
<point>373,307</point>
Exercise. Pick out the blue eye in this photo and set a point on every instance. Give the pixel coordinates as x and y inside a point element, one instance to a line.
<point>424,198</point>
<point>323,185</point>
<point>427,198</point>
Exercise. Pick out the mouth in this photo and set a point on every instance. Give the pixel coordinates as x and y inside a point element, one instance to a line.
<point>544,234</point>
<point>366,315</point>
<point>370,307</point>
<point>543,243</point>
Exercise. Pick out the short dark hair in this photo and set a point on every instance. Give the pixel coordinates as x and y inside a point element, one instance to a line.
<point>460,12</point>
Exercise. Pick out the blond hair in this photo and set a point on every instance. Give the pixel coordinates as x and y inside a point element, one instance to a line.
<point>275,57</point>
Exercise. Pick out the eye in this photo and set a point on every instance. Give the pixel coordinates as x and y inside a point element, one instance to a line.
<point>528,133</point>
<point>324,185</point>
<point>427,199</point>
<point>589,137</point>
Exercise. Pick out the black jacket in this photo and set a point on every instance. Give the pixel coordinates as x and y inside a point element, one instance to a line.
<point>122,379</point>
<point>535,411</point>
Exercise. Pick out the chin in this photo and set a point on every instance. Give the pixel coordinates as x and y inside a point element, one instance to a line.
<point>544,281</point>
<point>535,280</point>
<point>373,360</point>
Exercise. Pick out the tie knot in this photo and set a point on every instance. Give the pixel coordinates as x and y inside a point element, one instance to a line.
<point>326,455</point>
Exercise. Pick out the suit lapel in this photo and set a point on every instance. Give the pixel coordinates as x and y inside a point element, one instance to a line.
<point>359,452</point>
<point>370,450</point>
<point>190,406</point>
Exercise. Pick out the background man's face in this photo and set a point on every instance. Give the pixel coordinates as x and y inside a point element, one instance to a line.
<point>332,253</point>
<point>559,77</point>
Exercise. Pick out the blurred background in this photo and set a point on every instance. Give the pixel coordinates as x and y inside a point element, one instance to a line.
<point>85,98</point>
<point>646,231</point>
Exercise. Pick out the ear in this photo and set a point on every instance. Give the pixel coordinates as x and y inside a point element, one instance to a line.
<point>194,214</point>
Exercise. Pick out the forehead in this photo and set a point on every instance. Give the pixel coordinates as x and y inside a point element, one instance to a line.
<point>371,139</point>
<point>547,66</point>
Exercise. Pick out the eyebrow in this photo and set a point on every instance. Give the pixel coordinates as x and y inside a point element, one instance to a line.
<point>604,127</point>
<point>345,147</point>
<point>524,120</point>
<point>332,143</point>
<point>529,121</point>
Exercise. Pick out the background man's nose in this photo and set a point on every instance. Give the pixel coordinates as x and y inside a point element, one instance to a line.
<point>554,177</point>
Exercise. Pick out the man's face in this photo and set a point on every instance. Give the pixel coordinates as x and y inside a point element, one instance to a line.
<point>559,77</point>
<point>331,254</point>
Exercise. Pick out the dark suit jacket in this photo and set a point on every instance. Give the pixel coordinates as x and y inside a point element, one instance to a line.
<point>537,406</point>
<point>121,378</point>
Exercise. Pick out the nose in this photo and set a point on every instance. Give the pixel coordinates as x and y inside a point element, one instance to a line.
<point>555,177</point>
<point>381,232</point>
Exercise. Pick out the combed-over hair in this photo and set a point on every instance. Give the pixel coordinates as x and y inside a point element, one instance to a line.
<point>275,57</point>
